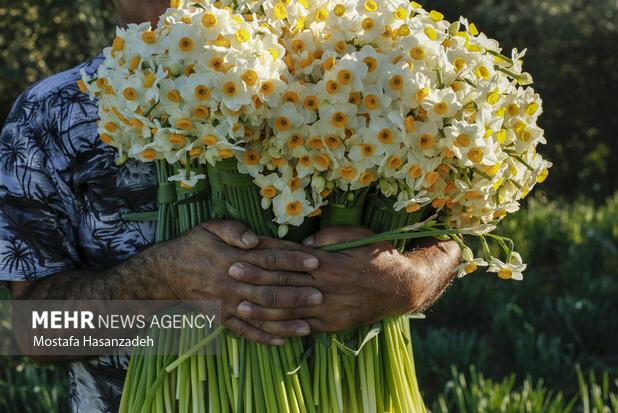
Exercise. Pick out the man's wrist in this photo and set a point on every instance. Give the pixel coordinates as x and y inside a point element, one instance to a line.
<point>151,266</point>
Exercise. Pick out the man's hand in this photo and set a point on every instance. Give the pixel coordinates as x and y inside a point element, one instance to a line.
<point>366,284</point>
<point>201,265</point>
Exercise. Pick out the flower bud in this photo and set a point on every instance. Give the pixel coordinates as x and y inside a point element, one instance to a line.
<point>467,254</point>
<point>282,231</point>
<point>318,183</point>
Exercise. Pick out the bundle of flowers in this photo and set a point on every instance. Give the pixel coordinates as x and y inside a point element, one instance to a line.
<point>290,113</point>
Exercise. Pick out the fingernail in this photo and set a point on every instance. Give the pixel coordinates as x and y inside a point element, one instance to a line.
<point>302,331</point>
<point>311,263</point>
<point>308,241</point>
<point>236,271</point>
<point>244,309</point>
<point>277,342</point>
<point>315,299</point>
<point>249,238</point>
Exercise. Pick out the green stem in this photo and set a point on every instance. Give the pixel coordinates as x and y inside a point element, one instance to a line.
<point>197,347</point>
<point>387,236</point>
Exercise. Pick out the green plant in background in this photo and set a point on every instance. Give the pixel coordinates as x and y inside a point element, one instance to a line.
<point>474,393</point>
<point>26,387</point>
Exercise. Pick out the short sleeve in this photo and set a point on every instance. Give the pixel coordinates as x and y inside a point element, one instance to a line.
<point>37,237</point>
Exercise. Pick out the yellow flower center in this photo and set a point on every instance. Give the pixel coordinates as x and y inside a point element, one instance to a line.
<point>251,157</point>
<point>470,268</point>
<point>267,88</point>
<point>149,154</point>
<point>333,142</point>
<point>425,141</point>
<point>176,139</point>
<point>332,87</point>
<point>344,77</point>
<point>243,36</point>
<point>315,143</point>
<point>129,94</point>
<point>441,108</point>
<point>202,92</point>
<point>209,140</point>
<point>493,97</point>
<point>295,141</point>
<point>368,23</point>
<point>294,183</point>
<point>339,120</point>
<point>394,162</point>
<point>386,136</point>
<point>322,160</point>
<point>542,176</point>
<point>250,77</point>
<point>410,124</point>
<point>282,124</point>
<point>281,11</point>
<point>209,20</point>
<point>371,6</point>
<point>111,127</point>
<point>149,37</point>
<point>366,178</point>
<point>415,171</point>
<point>310,103</point>
<point>118,44</point>
<point>367,149</point>
<point>505,273</point>
<point>105,138</point>
<point>432,177</point>
<point>174,96</point>
<point>371,102</point>
<point>201,112</point>
<point>186,44</point>
<point>339,10</point>
<point>371,62</point>
<point>482,72</point>
<point>291,97</point>
<point>230,89</point>
<point>463,140</point>
<point>294,208</point>
<point>347,172</point>
<point>216,63</point>
<point>476,155</point>
<point>322,14</point>
<point>268,192</point>
<point>396,82</point>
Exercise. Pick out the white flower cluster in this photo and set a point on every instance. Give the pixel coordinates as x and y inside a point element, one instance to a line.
<point>318,96</point>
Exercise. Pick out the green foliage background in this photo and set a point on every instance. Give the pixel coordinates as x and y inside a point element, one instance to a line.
<point>513,346</point>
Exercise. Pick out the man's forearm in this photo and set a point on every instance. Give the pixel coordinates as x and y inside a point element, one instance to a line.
<point>436,261</point>
<point>132,279</point>
<point>129,280</point>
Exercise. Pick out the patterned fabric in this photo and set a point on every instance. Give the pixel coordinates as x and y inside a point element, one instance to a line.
<point>61,201</point>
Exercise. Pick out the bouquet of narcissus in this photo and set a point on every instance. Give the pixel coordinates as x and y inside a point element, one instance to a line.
<point>293,114</point>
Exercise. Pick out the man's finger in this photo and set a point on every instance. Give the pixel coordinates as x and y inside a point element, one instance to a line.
<point>250,311</point>
<point>335,235</point>
<point>233,233</point>
<point>250,274</point>
<point>281,297</point>
<point>282,260</point>
<point>247,331</point>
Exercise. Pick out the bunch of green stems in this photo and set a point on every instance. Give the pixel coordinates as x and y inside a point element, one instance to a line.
<point>369,369</point>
